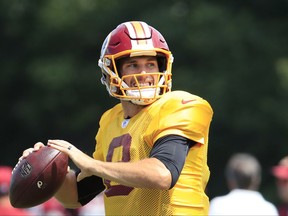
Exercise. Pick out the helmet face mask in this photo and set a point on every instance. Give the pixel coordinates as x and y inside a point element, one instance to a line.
<point>133,39</point>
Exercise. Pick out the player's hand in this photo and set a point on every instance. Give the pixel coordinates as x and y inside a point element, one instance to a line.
<point>80,159</point>
<point>26,152</point>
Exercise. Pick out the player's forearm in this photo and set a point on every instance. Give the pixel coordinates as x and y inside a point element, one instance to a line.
<point>67,194</point>
<point>147,173</point>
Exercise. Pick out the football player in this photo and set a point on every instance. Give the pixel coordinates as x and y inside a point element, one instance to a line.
<point>151,148</point>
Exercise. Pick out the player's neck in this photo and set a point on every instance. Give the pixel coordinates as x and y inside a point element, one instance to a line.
<point>130,109</point>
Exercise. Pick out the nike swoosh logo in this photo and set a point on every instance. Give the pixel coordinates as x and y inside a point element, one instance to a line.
<point>187,101</point>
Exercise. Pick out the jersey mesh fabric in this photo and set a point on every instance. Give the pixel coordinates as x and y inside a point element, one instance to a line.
<point>178,113</point>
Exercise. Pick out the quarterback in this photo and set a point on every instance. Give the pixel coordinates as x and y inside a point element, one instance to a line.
<point>150,155</point>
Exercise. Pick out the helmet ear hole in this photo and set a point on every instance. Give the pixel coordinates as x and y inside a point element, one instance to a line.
<point>118,65</point>
<point>162,63</point>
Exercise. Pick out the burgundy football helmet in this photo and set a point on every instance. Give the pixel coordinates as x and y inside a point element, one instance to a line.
<point>132,39</point>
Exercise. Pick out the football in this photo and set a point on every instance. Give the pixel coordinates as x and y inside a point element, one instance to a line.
<point>36,178</point>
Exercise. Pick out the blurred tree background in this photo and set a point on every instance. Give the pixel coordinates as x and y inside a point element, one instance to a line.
<point>232,53</point>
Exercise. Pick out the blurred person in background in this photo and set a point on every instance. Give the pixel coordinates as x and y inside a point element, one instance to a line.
<point>5,207</point>
<point>243,175</point>
<point>280,173</point>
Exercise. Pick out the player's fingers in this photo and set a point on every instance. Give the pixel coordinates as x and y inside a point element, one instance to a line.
<point>16,165</point>
<point>61,143</point>
<point>38,145</point>
<point>26,153</point>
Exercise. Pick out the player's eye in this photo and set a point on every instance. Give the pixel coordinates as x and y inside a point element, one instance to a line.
<point>134,65</point>
<point>151,65</point>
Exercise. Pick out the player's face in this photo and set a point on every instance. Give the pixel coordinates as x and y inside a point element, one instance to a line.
<point>144,65</point>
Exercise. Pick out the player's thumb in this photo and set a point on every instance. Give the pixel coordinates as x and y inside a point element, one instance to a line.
<point>80,177</point>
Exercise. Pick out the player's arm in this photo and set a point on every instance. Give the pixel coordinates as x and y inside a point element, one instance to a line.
<point>74,194</point>
<point>160,171</point>
<point>67,194</point>
<point>172,150</point>
<point>147,173</point>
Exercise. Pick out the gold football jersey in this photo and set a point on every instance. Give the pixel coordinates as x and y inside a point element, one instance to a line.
<point>119,139</point>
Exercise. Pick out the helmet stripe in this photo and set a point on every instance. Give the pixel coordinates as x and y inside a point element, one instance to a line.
<point>131,30</point>
<point>132,33</point>
<point>139,30</point>
<point>139,33</point>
